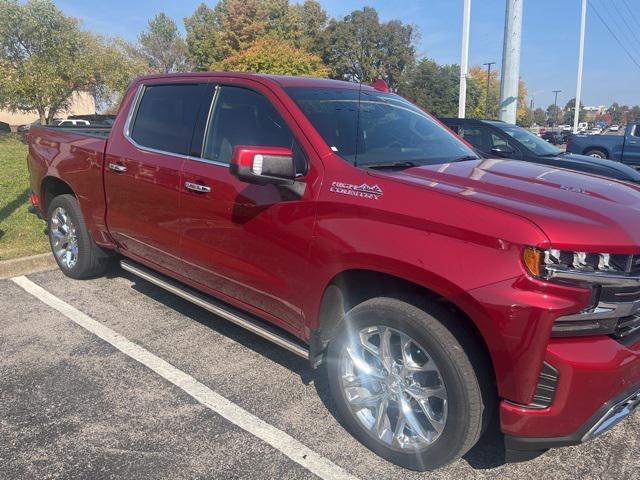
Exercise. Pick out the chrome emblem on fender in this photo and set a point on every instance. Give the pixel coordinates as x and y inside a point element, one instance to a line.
<point>371,192</point>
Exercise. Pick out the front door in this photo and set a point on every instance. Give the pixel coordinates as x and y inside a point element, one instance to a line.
<point>144,168</point>
<point>632,147</point>
<point>249,242</point>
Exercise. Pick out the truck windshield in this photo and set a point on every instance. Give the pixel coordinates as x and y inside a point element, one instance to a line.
<point>388,128</point>
<point>534,143</point>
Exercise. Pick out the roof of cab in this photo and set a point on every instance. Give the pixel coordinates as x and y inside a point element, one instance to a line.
<point>283,81</point>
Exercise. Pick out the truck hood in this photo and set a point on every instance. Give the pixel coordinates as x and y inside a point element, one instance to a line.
<point>574,210</point>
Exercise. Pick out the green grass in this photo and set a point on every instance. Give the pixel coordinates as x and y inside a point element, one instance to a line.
<point>21,233</point>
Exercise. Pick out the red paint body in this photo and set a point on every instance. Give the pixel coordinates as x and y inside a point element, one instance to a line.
<point>456,229</point>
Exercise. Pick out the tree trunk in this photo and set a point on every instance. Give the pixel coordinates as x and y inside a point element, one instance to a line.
<point>43,118</point>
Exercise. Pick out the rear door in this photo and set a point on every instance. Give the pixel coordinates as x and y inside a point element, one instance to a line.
<point>144,167</point>
<point>249,243</point>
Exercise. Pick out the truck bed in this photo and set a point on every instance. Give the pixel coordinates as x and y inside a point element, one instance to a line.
<point>75,154</point>
<point>90,131</point>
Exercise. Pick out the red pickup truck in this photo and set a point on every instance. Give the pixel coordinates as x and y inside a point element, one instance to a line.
<point>347,225</point>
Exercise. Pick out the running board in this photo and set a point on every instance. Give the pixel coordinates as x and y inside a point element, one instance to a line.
<point>229,313</point>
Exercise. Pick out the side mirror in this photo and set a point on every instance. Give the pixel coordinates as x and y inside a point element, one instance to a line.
<point>263,165</point>
<point>503,151</point>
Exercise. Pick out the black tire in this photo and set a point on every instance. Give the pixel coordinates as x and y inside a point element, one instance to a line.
<point>91,260</point>
<point>595,152</point>
<point>466,400</point>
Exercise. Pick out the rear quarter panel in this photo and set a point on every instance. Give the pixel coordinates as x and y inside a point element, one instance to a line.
<point>77,160</point>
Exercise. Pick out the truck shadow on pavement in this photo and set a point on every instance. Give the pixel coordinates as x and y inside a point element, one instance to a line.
<point>488,453</point>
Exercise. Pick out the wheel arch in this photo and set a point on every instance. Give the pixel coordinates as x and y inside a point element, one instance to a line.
<point>599,148</point>
<point>353,286</point>
<point>52,187</point>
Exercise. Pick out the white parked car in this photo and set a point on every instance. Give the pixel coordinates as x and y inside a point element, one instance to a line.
<point>73,123</point>
<point>614,128</point>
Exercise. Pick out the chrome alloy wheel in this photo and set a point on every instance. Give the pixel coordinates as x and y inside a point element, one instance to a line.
<point>394,388</point>
<point>63,238</point>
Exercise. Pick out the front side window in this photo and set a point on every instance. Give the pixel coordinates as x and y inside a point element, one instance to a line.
<point>166,116</point>
<point>370,127</point>
<point>243,117</point>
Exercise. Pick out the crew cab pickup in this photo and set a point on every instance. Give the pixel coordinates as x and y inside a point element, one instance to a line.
<point>623,148</point>
<point>350,227</point>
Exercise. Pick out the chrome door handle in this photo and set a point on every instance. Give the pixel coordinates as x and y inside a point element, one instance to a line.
<point>197,187</point>
<point>117,167</point>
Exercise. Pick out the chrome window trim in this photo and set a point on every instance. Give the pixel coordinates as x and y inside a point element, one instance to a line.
<point>133,111</point>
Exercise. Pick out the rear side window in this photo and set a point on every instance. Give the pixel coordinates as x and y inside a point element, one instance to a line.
<point>166,116</point>
<point>244,117</point>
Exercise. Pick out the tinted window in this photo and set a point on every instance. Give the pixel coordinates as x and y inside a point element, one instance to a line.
<point>371,127</point>
<point>244,117</point>
<point>475,136</point>
<point>166,116</point>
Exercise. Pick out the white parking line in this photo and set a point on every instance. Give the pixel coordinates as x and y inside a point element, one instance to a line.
<point>278,439</point>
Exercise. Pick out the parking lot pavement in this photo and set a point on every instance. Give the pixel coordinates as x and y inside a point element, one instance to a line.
<point>72,405</point>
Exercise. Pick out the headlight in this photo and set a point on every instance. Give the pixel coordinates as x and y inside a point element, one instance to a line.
<point>564,265</point>
<point>614,280</point>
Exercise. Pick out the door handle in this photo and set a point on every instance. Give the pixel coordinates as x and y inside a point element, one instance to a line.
<point>197,187</point>
<point>117,167</point>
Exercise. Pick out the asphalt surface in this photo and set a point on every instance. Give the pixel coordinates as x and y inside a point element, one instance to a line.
<point>74,406</point>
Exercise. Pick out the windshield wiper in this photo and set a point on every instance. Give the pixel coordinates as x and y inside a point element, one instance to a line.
<point>383,165</point>
<point>464,158</point>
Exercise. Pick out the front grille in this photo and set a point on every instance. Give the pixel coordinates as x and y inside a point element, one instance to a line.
<point>546,388</point>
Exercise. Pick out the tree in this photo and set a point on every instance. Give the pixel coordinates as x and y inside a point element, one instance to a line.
<point>539,116</point>
<point>162,45</point>
<point>114,62</point>
<point>436,88</point>
<point>634,114</point>
<point>239,24</point>
<point>202,37</point>
<point>569,112</point>
<point>479,76</point>
<point>45,58</point>
<point>361,48</point>
<point>616,113</point>
<point>270,55</point>
<point>554,114</point>
<point>234,25</point>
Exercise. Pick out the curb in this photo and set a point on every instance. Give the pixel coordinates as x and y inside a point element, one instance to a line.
<point>27,265</point>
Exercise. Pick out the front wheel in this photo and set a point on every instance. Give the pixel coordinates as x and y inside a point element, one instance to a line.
<point>403,384</point>
<point>73,248</point>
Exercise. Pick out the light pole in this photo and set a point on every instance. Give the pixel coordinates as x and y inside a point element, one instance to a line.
<point>555,110</point>
<point>510,74</point>
<point>464,58</point>
<point>486,105</point>
<point>583,21</point>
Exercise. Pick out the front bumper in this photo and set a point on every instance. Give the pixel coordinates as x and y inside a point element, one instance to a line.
<point>598,386</point>
<point>609,415</point>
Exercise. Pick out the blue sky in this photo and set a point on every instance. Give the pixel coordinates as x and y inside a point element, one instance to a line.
<point>549,42</point>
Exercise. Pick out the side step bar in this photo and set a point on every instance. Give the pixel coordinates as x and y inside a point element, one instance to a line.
<point>229,313</point>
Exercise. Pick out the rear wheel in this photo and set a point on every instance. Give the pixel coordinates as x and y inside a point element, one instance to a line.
<point>596,153</point>
<point>73,248</point>
<point>403,384</point>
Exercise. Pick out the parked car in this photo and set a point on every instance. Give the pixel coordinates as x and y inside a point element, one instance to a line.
<point>349,226</point>
<point>554,138</point>
<point>622,148</point>
<point>614,128</point>
<point>68,122</point>
<point>95,119</point>
<point>4,127</point>
<point>499,139</point>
